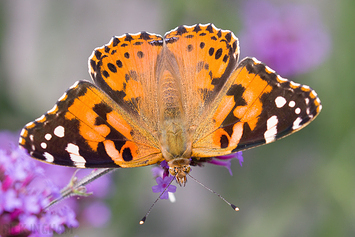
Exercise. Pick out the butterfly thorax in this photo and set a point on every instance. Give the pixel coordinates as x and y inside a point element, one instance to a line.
<point>174,138</point>
<point>176,149</point>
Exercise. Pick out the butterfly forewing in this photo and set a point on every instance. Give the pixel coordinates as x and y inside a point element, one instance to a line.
<point>125,69</point>
<point>87,129</point>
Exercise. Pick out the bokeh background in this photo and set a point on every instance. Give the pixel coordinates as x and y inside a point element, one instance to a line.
<point>303,185</point>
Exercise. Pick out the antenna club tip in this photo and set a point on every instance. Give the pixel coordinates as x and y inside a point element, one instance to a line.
<point>235,207</point>
<point>143,220</point>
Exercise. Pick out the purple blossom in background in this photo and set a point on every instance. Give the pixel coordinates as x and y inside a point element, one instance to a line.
<point>290,38</point>
<point>22,203</point>
<point>100,188</point>
<point>97,214</point>
<point>56,177</point>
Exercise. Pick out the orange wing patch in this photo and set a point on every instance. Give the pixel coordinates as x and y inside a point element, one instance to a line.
<point>100,123</point>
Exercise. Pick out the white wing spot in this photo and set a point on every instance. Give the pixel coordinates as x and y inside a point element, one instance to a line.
<point>280,101</point>
<point>297,110</point>
<point>59,131</point>
<point>22,132</point>
<point>306,100</point>
<point>31,137</point>
<point>29,124</point>
<point>49,157</point>
<point>256,61</point>
<point>308,111</point>
<point>292,104</point>
<point>314,93</point>
<point>269,69</point>
<point>74,85</point>
<point>48,136</point>
<point>295,84</point>
<point>306,87</point>
<point>52,110</point>
<point>271,129</point>
<point>63,97</point>
<point>40,118</point>
<point>281,79</point>
<point>78,160</point>
<point>43,145</point>
<point>72,148</point>
<point>296,123</point>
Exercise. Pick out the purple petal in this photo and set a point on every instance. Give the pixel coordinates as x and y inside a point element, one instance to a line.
<point>172,189</point>
<point>157,172</point>
<point>226,164</point>
<point>159,181</point>
<point>226,160</point>
<point>31,204</point>
<point>165,195</point>
<point>11,200</point>
<point>157,189</point>
<point>164,164</point>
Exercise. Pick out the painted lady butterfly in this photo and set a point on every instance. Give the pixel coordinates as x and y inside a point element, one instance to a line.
<point>169,98</point>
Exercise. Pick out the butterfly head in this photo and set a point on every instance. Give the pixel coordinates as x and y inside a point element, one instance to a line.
<point>179,168</point>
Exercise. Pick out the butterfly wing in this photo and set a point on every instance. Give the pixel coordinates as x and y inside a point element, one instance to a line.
<point>205,57</point>
<point>258,108</point>
<point>111,125</point>
<point>87,129</point>
<point>125,70</point>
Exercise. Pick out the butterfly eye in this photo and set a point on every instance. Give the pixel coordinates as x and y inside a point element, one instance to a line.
<point>187,169</point>
<point>173,170</point>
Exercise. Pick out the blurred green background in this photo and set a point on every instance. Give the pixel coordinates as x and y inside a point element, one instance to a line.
<point>303,185</point>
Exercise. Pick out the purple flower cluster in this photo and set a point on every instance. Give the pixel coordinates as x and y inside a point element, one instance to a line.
<point>28,185</point>
<point>23,200</point>
<point>290,38</point>
<point>94,203</point>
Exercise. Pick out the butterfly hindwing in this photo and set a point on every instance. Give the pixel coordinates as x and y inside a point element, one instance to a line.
<point>258,108</point>
<point>87,129</point>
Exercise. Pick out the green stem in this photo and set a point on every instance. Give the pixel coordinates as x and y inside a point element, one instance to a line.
<point>77,188</point>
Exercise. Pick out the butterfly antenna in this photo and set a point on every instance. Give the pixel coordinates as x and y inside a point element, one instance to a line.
<point>235,208</point>
<point>142,221</point>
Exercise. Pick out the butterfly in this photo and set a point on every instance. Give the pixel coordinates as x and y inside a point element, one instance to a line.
<point>176,97</point>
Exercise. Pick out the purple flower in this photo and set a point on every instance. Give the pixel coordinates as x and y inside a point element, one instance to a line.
<point>52,177</point>
<point>22,202</point>
<point>162,184</point>
<point>291,38</point>
<point>226,160</point>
